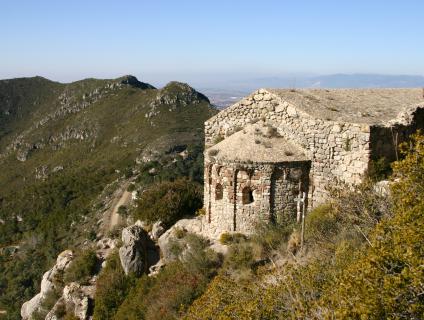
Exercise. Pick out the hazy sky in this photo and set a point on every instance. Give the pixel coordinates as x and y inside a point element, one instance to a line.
<point>197,39</point>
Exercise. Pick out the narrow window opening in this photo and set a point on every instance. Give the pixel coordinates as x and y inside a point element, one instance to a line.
<point>247,195</point>
<point>219,192</point>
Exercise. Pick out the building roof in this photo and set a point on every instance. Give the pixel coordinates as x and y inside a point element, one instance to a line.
<point>371,106</point>
<point>257,143</point>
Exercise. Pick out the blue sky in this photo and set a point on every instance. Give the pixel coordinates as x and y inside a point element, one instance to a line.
<point>191,40</point>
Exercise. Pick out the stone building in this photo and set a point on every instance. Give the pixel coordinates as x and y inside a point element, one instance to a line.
<point>275,145</point>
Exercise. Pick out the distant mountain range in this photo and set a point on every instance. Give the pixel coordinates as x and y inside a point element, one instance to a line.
<point>346,81</point>
<point>231,91</point>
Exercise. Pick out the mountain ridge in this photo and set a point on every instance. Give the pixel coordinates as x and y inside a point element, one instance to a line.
<point>65,147</point>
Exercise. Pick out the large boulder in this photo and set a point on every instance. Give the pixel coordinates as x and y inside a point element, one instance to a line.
<point>133,253</point>
<point>50,283</point>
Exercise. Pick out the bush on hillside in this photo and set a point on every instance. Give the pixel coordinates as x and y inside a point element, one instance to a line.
<point>82,268</point>
<point>112,287</point>
<point>371,269</point>
<point>172,291</point>
<point>169,201</point>
<point>389,273</point>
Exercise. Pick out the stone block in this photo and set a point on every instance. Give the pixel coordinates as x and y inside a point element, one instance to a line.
<point>258,97</point>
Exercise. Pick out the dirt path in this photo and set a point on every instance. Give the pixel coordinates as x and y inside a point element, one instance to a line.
<point>123,200</point>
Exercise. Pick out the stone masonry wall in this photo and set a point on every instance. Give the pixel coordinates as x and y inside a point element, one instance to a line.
<point>338,151</point>
<point>274,187</point>
<point>287,183</point>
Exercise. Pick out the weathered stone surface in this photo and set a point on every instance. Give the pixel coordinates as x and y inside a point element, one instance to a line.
<point>382,187</point>
<point>79,299</point>
<point>50,281</point>
<point>291,111</point>
<point>31,306</point>
<point>52,315</point>
<point>172,234</point>
<point>157,230</point>
<point>138,251</point>
<point>133,253</point>
<point>105,246</point>
<point>258,97</point>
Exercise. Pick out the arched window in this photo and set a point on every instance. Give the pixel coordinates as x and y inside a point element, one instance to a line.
<point>219,192</point>
<point>247,196</point>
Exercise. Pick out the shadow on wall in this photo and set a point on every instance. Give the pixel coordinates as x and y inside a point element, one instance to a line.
<point>384,141</point>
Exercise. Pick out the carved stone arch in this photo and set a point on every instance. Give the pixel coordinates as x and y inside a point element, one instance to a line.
<point>218,170</point>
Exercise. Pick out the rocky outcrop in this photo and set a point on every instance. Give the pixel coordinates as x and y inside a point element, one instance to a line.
<point>50,283</point>
<point>79,299</point>
<point>176,232</point>
<point>72,298</point>
<point>138,251</point>
<point>105,246</point>
<point>157,230</point>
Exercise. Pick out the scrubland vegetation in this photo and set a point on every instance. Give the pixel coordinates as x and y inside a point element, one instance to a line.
<point>169,201</point>
<point>362,259</point>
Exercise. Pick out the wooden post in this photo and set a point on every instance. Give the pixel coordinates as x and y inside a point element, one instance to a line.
<point>298,201</point>
<point>302,234</point>
<point>301,199</point>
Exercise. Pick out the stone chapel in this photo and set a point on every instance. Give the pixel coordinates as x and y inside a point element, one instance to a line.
<point>276,146</point>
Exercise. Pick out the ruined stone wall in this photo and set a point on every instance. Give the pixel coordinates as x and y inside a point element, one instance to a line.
<point>273,188</point>
<point>338,151</point>
<point>384,140</point>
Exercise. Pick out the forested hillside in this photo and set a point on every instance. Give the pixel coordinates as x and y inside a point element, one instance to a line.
<point>64,148</point>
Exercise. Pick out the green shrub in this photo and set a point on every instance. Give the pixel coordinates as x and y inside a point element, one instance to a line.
<point>123,210</point>
<point>112,287</point>
<point>271,236</point>
<point>128,172</point>
<point>213,152</point>
<point>388,274</point>
<point>322,224</point>
<point>172,291</point>
<point>227,238</point>
<point>82,268</point>
<point>201,212</point>
<point>163,297</point>
<point>379,169</point>
<point>169,202</point>
<point>240,256</point>
<point>70,316</point>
